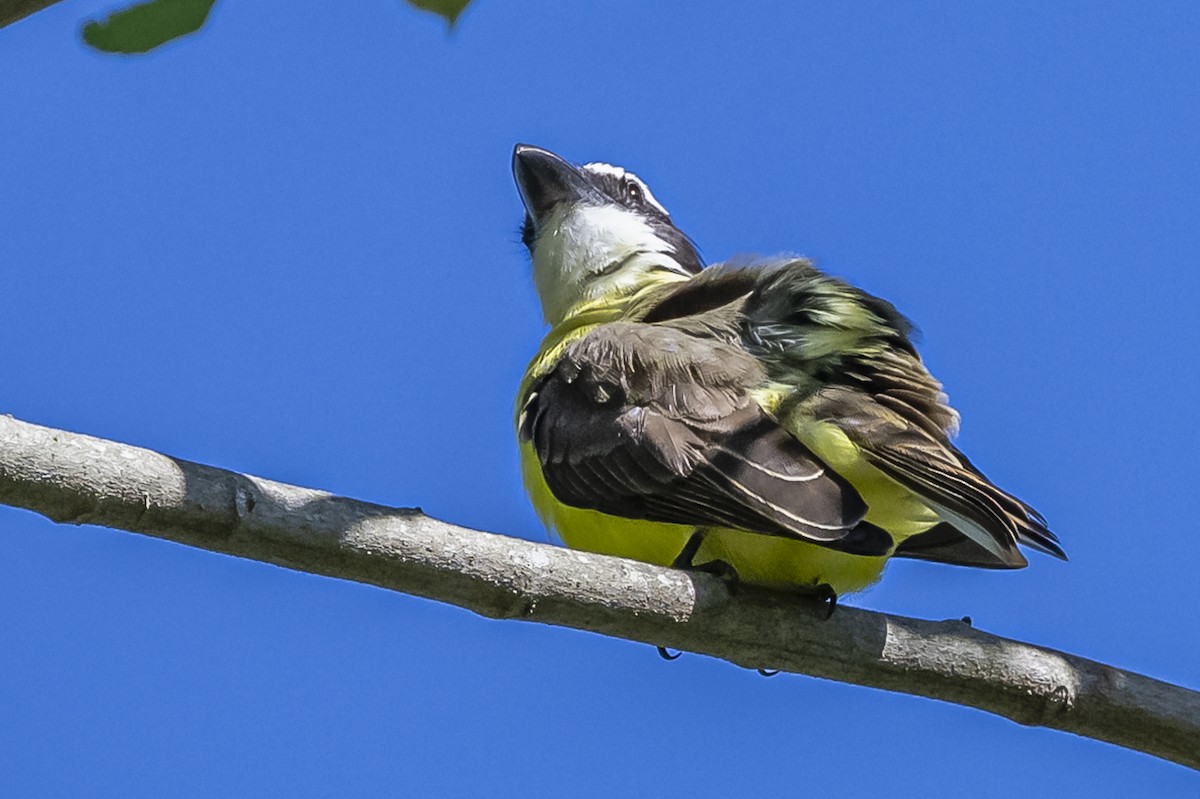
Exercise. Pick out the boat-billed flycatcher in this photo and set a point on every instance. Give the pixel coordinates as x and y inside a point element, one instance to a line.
<point>763,417</point>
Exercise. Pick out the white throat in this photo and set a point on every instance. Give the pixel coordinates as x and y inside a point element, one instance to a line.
<point>593,251</point>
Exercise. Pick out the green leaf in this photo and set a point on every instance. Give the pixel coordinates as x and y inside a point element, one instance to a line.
<point>143,27</point>
<point>450,9</point>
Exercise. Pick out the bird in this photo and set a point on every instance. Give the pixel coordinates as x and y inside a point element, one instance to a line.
<point>756,418</point>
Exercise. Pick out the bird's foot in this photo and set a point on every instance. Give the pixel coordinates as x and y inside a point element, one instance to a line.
<point>722,569</point>
<point>686,560</point>
<point>824,593</point>
<point>665,653</point>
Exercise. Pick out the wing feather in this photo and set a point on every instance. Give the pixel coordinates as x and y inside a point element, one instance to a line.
<point>926,463</point>
<point>650,421</point>
<point>850,361</point>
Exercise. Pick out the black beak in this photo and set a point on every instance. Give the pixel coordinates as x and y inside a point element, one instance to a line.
<point>545,180</point>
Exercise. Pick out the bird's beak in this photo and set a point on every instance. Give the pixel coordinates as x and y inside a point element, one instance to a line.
<point>545,180</point>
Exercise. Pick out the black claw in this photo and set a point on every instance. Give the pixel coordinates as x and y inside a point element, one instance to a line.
<point>768,672</point>
<point>665,654</point>
<point>825,593</point>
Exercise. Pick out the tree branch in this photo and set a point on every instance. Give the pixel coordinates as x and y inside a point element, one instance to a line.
<point>78,479</point>
<point>13,10</point>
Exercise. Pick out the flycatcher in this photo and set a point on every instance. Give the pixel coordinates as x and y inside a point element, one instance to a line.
<point>760,419</point>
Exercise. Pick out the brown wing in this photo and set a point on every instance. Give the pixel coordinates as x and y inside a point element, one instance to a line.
<point>648,421</point>
<point>851,359</point>
<point>923,459</point>
<point>903,443</point>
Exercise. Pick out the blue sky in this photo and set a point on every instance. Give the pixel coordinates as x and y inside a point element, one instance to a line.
<point>288,246</point>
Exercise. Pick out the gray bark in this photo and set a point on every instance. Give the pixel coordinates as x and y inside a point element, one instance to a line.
<point>76,479</point>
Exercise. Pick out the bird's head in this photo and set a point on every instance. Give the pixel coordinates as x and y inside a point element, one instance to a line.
<point>594,231</point>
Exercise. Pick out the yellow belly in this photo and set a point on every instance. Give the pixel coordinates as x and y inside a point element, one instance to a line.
<point>769,561</point>
<point>785,564</point>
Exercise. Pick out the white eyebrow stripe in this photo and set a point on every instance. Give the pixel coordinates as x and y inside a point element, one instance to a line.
<point>650,198</point>
<point>600,168</point>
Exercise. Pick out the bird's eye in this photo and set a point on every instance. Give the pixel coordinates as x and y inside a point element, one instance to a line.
<point>633,192</point>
